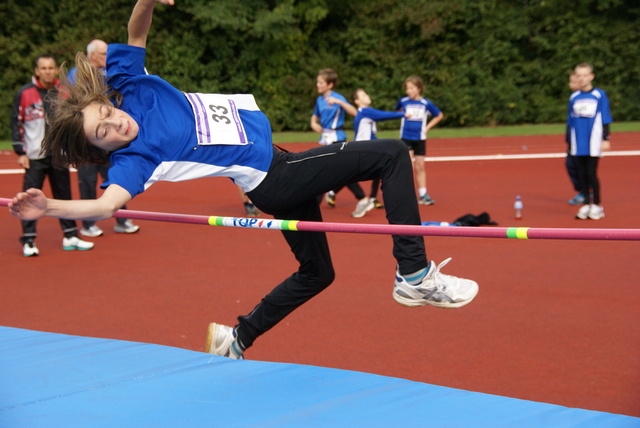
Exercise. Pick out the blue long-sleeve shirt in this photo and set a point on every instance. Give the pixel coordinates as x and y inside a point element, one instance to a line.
<point>364,125</point>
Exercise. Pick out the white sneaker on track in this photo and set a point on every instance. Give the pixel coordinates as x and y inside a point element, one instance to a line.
<point>437,289</point>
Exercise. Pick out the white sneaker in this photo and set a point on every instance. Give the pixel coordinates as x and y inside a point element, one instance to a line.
<point>126,227</point>
<point>362,207</point>
<point>583,212</point>
<point>75,243</point>
<point>596,212</point>
<point>29,249</point>
<point>223,340</point>
<point>437,289</point>
<point>91,231</point>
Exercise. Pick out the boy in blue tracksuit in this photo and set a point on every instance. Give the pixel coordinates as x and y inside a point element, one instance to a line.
<point>364,127</point>
<point>588,136</point>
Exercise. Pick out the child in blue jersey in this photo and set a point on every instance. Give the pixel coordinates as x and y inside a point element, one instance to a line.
<point>588,136</point>
<point>328,120</point>
<point>330,108</point>
<point>155,132</point>
<point>414,129</point>
<point>570,161</point>
<point>364,126</point>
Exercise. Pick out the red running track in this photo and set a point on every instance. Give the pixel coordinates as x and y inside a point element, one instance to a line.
<point>555,321</point>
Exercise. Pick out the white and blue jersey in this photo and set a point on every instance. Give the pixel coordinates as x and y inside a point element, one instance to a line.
<point>588,113</point>
<point>170,146</point>
<point>331,119</point>
<point>415,126</point>
<point>364,124</point>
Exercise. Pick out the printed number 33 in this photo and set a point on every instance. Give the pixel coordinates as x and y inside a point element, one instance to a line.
<point>219,114</point>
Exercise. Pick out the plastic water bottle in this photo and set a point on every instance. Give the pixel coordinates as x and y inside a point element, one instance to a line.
<point>517,205</point>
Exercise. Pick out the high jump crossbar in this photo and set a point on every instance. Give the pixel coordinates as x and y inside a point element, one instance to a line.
<point>384,229</point>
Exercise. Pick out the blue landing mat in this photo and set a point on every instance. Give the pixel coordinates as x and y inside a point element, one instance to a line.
<point>55,380</point>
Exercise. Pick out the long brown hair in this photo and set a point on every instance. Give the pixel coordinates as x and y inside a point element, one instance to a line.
<point>65,139</point>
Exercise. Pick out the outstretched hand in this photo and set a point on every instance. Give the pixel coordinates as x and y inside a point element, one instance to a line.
<point>29,205</point>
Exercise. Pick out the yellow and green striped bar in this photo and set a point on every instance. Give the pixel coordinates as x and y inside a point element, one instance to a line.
<point>254,223</point>
<point>517,232</point>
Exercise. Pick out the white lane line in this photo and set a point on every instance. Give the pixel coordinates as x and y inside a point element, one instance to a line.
<point>451,158</point>
<point>523,156</point>
<point>21,171</point>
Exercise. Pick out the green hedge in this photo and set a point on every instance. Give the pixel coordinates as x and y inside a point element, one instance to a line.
<point>485,62</point>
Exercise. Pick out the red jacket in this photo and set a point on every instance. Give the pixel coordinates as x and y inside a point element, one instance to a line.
<point>31,104</point>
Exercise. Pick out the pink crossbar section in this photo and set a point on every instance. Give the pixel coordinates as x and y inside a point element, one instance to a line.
<point>397,229</point>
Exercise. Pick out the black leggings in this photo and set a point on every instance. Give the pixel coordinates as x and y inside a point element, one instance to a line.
<point>572,170</point>
<point>587,167</point>
<point>60,182</point>
<point>291,191</point>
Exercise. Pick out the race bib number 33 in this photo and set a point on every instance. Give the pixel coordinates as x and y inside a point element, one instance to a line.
<point>217,118</point>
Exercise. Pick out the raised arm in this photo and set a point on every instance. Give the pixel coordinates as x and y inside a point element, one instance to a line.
<point>351,110</point>
<point>140,21</point>
<point>33,204</point>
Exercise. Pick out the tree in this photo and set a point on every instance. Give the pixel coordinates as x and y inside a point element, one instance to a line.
<point>485,62</point>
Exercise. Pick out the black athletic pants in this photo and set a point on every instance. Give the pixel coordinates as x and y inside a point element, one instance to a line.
<point>572,169</point>
<point>587,167</point>
<point>291,191</point>
<point>60,183</point>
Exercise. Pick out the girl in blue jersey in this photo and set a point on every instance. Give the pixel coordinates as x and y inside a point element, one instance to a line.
<point>414,129</point>
<point>155,132</point>
<point>364,127</point>
<point>588,136</point>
